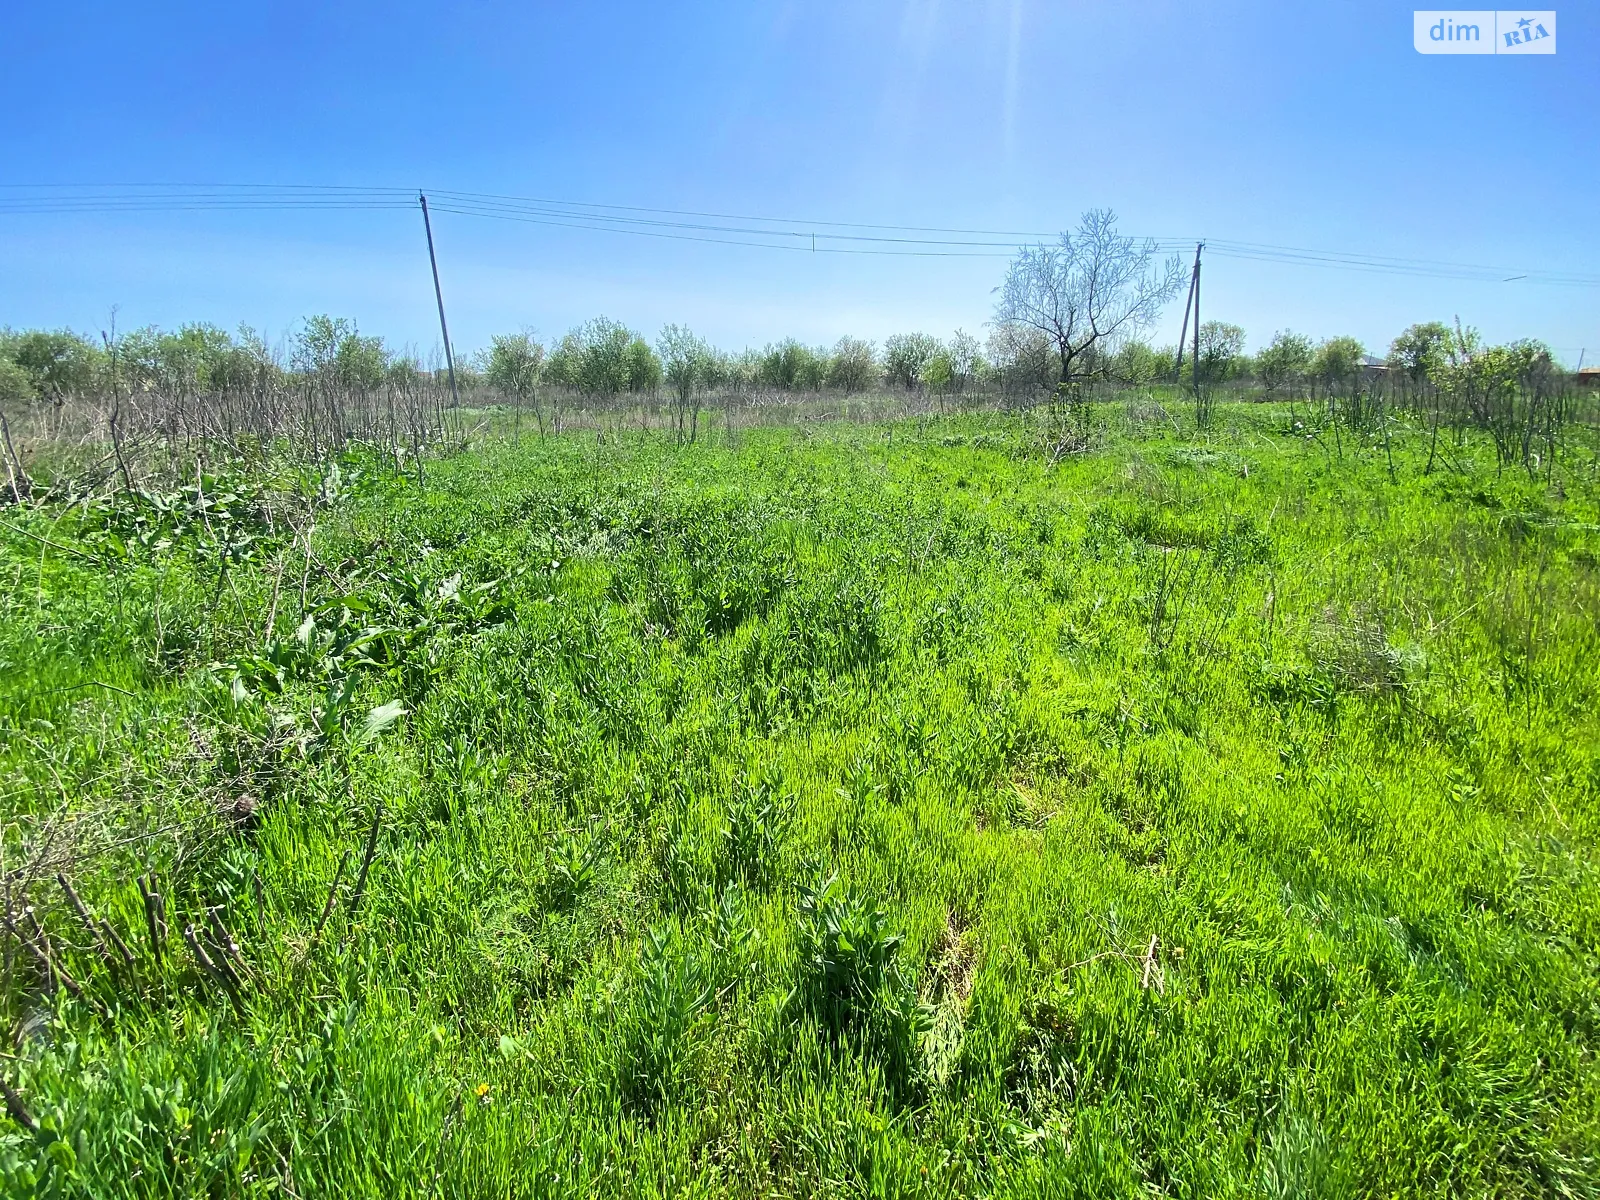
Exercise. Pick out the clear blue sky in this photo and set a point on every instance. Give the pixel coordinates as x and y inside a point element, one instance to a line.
<point>1297,124</point>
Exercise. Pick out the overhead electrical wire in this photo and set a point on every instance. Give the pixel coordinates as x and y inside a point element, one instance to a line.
<point>796,240</point>
<point>678,212</point>
<point>287,193</point>
<point>717,228</point>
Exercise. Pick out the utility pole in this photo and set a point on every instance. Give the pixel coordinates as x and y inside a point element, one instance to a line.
<point>1197,249</point>
<point>1191,303</point>
<point>444,330</point>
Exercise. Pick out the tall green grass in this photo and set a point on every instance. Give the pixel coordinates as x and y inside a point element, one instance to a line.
<point>851,811</point>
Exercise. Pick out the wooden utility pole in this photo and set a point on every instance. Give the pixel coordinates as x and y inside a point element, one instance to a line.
<point>1198,247</point>
<point>1192,303</point>
<point>438,294</point>
<point>1183,333</point>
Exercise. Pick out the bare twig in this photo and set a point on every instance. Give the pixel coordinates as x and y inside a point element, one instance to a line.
<point>208,966</point>
<point>83,915</point>
<point>110,687</point>
<point>222,964</point>
<point>1152,971</point>
<point>224,939</point>
<point>366,862</point>
<point>261,905</point>
<point>277,586</point>
<point>44,541</point>
<point>1152,967</point>
<point>40,949</point>
<point>327,908</point>
<point>54,972</point>
<point>21,485</point>
<point>1094,958</point>
<point>18,1110</point>
<point>115,939</point>
<point>49,858</point>
<point>305,570</point>
<point>153,915</point>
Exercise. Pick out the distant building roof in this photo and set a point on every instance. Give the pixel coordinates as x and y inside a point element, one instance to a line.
<point>1377,364</point>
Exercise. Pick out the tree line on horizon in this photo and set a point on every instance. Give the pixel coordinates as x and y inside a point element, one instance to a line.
<point>606,357</point>
<point>1067,313</point>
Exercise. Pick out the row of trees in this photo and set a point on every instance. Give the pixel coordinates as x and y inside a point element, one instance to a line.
<point>51,365</point>
<point>173,393</point>
<point>1066,313</point>
<point>604,357</point>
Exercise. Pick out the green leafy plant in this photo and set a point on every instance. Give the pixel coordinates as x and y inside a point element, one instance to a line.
<point>572,861</point>
<point>756,819</point>
<point>847,953</point>
<point>670,995</point>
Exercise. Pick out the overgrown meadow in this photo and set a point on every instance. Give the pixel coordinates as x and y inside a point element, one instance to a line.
<point>907,809</point>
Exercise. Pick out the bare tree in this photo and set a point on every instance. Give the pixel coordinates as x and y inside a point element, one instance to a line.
<point>1091,289</point>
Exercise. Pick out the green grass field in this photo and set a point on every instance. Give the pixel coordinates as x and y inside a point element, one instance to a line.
<point>856,810</point>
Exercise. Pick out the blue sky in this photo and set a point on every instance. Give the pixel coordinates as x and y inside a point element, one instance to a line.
<point>1303,125</point>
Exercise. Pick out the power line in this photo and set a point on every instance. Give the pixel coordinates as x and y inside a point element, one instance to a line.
<point>606,220</point>
<point>723,241</point>
<point>752,237</point>
<point>288,190</point>
<point>524,200</point>
<point>1395,266</point>
<point>755,232</point>
<point>575,216</point>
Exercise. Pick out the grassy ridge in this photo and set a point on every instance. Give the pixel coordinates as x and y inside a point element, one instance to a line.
<point>862,811</point>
